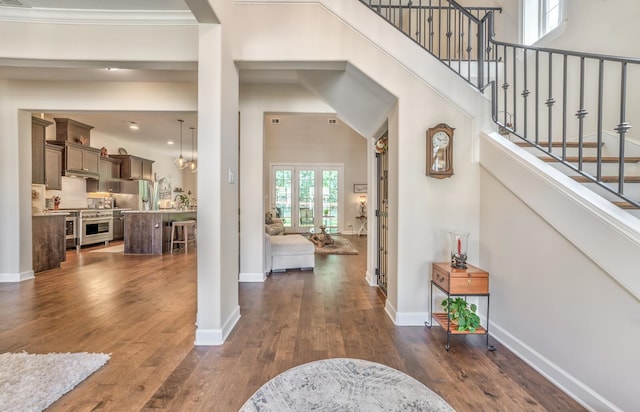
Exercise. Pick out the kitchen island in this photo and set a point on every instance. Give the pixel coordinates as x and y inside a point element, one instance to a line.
<point>148,232</point>
<point>48,240</point>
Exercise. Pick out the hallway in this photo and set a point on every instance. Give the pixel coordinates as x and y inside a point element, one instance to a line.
<point>141,310</point>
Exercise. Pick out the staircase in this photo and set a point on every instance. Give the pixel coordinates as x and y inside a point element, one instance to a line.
<point>550,102</point>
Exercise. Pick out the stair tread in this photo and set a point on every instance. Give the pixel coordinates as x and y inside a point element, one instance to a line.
<point>559,144</point>
<point>625,205</point>
<point>608,179</point>
<point>593,159</point>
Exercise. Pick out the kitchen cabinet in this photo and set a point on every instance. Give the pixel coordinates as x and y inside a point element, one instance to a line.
<point>79,160</point>
<point>118,225</point>
<point>53,167</point>
<point>134,167</point>
<point>48,241</point>
<point>109,172</point>
<point>38,139</point>
<point>69,130</point>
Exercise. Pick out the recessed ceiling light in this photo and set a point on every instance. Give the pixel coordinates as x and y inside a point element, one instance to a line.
<point>112,69</point>
<point>170,142</point>
<point>133,126</point>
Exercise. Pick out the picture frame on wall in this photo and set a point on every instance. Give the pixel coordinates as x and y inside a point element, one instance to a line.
<point>360,188</point>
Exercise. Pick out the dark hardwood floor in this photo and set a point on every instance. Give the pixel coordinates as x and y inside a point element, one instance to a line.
<point>141,310</point>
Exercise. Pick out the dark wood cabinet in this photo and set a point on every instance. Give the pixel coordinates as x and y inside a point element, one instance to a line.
<point>109,172</point>
<point>48,242</point>
<point>79,160</point>
<point>69,130</point>
<point>53,167</point>
<point>38,139</point>
<point>134,167</point>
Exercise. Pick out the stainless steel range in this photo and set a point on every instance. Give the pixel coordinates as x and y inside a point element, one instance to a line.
<point>96,226</point>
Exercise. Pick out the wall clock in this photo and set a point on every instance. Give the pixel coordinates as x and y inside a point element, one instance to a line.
<point>440,151</point>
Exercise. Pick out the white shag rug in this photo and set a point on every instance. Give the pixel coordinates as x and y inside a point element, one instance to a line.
<point>344,385</point>
<point>32,382</point>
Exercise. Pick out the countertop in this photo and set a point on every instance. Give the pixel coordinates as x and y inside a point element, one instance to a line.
<point>162,211</point>
<point>50,213</point>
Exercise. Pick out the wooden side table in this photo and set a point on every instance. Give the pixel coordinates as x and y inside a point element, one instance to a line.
<point>471,281</point>
<point>363,224</point>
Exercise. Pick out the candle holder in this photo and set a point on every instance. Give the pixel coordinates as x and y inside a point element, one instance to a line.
<point>459,246</point>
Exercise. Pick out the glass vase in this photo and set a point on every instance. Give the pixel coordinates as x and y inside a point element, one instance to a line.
<point>458,247</point>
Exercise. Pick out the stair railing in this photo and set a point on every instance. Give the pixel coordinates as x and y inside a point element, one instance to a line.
<point>456,35</point>
<point>542,89</point>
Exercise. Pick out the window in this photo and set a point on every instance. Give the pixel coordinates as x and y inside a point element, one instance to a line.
<point>540,17</point>
<point>308,196</point>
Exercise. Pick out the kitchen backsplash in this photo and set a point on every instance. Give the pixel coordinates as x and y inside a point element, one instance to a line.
<point>73,194</point>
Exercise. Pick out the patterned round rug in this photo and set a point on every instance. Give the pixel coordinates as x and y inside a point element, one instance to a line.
<point>344,385</point>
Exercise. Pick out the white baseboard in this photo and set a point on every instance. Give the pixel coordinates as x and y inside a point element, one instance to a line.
<point>371,279</point>
<point>16,277</point>
<point>391,311</point>
<point>252,277</point>
<point>573,387</point>
<point>411,318</point>
<point>216,337</point>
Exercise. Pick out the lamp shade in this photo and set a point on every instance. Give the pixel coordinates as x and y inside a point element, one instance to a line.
<point>181,162</point>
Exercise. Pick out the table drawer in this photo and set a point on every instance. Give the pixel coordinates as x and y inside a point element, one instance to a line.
<point>440,278</point>
<point>469,285</point>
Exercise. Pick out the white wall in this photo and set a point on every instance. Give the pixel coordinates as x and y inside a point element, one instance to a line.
<point>562,297</point>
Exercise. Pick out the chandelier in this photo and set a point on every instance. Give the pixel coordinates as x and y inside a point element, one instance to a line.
<point>192,164</point>
<point>181,162</point>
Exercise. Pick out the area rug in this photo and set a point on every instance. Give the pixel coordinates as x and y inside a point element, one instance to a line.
<point>31,382</point>
<point>110,249</point>
<point>340,246</point>
<point>344,385</point>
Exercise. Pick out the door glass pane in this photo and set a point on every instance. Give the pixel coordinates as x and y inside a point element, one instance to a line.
<point>283,198</point>
<point>330,200</point>
<point>306,197</point>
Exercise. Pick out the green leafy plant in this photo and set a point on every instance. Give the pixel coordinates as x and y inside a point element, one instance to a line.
<point>462,313</point>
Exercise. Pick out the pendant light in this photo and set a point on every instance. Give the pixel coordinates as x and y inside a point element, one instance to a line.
<point>192,165</point>
<point>181,162</point>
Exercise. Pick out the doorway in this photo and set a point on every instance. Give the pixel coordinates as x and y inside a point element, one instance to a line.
<point>382,214</point>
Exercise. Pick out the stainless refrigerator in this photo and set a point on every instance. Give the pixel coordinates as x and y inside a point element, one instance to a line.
<point>137,195</point>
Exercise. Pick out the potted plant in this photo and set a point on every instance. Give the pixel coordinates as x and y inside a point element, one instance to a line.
<point>462,314</point>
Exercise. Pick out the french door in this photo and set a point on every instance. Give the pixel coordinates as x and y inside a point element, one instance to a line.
<point>307,196</point>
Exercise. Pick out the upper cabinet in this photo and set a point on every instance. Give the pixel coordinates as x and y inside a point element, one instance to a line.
<point>109,171</point>
<point>69,130</point>
<point>53,167</point>
<point>80,159</point>
<point>38,162</point>
<point>134,167</point>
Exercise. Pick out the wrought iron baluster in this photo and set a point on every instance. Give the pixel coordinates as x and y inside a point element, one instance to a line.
<point>581,114</point>
<point>564,107</point>
<point>515,87</point>
<point>449,33</point>
<point>505,85</point>
<point>550,102</point>
<point>600,108</point>
<point>623,126</point>
<point>537,105</point>
<point>430,28</point>
<point>525,94</point>
<point>468,49</point>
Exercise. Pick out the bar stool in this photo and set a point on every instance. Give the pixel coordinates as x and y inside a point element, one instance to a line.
<point>182,226</point>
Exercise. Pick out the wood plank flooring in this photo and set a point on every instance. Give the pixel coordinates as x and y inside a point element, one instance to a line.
<point>141,310</point>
